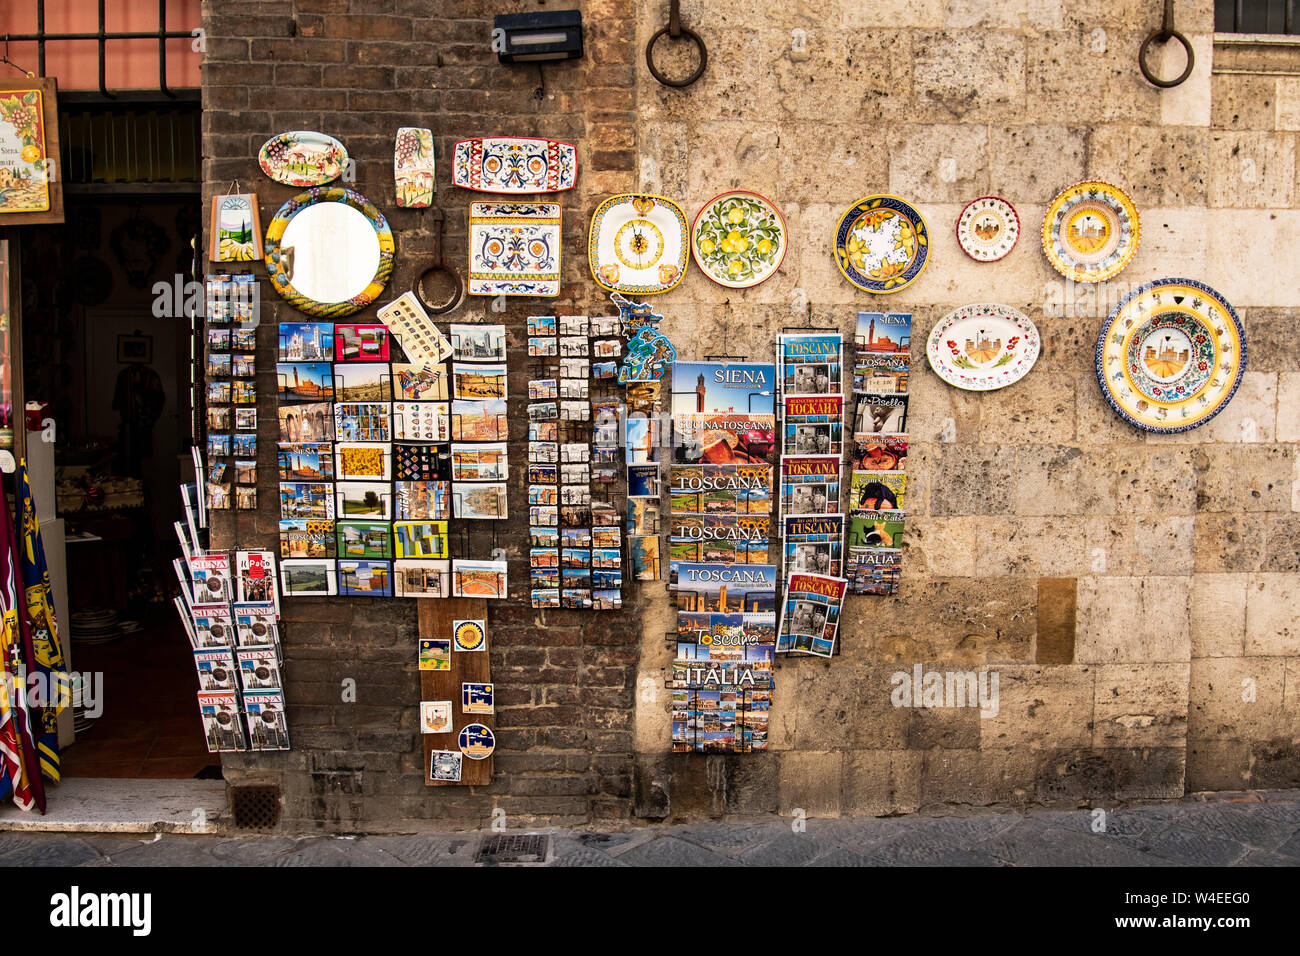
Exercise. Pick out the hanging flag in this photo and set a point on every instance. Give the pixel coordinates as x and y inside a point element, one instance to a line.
<point>46,656</point>
<point>17,752</point>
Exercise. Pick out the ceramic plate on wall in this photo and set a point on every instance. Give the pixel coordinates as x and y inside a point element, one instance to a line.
<point>1091,232</point>
<point>983,347</point>
<point>637,244</point>
<point>738,239</point>
<point>414,168</point>
<point>514,164</point>
<point>1171,355</point>
<point>882,244</point>
<point>303,158</point>
<point>988,228</point>
<point>514,248</point>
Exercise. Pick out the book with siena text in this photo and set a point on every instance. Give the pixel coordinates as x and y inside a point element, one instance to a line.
<point>268,728</point>
<point>223,726</point>
<point>210,580</point>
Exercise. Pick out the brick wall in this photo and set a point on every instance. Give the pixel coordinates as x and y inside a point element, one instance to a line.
<point>358,71</point>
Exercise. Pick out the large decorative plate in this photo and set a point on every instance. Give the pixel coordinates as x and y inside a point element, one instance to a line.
<point>1171,355</point>
<point>988,228</point>
<point>514,164</point>
<point>637,244</point>
<point>983,347</point>
<point>514,248</point>
<point>738,239</point>
<point>1091,232</point>
<point>303,158</point>
<point>882,244</point>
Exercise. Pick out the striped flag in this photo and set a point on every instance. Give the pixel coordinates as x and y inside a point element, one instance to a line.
<point>46,655</point>
<point>18,772</point>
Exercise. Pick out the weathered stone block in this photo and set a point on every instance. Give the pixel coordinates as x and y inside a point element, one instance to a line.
<point>1133,620</point>
<point>1272,622</point>
<point>811,781</point>
<point>1035,160</point>
<point>969,76</point>
<point>1244,102</point>
<point>1252,170</point>
<point>1038,409</point>
<point>1041,707</point>
<point>881,782</point>
<point>1140,705</point>
<point>1219,615</point>
<point>942,163</point>
<point>1236,698</point>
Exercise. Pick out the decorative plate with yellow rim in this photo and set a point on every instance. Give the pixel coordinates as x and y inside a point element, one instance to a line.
<point>738,239</point>
<point>1171,355</point>
<point>1091,232</point>
<point>882,244</point>
<point>638,244</point>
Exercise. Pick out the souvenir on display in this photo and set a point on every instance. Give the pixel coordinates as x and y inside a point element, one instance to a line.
<point>303,158</point>
<point>30,190</point>
<point>234,230</point>
<point>514,164</point>
<point>983,347</point>
<point>882,244</point>
<point>1091,232</point>
<point>988,228</point>
<point>514,248</point>
<point>365,578</point>
<point>476,741</point>
<point>420,339</point>
<point>638,244</point>
<point>414,166</point>
<point>469,635</point>
<point>738,239</point>
<point>1171,355</point>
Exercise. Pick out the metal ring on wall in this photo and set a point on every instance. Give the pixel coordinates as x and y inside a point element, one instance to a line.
<point>676,31</point>
<point>1162,36</point>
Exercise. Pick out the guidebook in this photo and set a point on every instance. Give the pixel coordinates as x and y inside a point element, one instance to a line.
<point>723,413</point>
<point>810,484</point>
<point>812,544</point>
<point>810,614</point>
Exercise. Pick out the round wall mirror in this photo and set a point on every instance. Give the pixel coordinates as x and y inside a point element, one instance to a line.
<point>329,252</point>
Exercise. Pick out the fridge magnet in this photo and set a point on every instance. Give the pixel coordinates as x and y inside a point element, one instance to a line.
<point>514,249</point>
<point>638,244</point>
<point>435,654</point>
<point>476,741</point>
<point>414,166</point>
<point>988,228</point>
<point>1171,355</point>
<point>1091,232</point>
<point>444,766</point>
<point>435,717</point>
<point>514,164</point>
<point>476,698</point>
<point>469,635</point>
<point>738,239</point>
<point>983,347</point>
<point>882,244</point>
<point>234,229</point>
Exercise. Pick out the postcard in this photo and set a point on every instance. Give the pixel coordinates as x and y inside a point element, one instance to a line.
<point>420,539</point>
<point>243,392</point>
<point>422,579</point>
<point>364,499</point>
<point>365,578</point>
<point>218,365</point>
<point>420,339</point>
<point>444,765</point>
<point>306,423</point>
<point>363,460</point>
<point>363,382</point>
<point>543,388</point>
<point>306,342</point>
<point>420,383</point>
<point>476,381</point>
<point>421,461</point>
<point>435,654</point>
<point>479,462</point>
<point>364,421</point>
<point>478,420</point>
<point>364,539</point>
<point>218,340</point>
<point>479,579</point>
<point>423,500</point>
<point>435,717</point>
<point>544,597</point>
<point>308,576</point>
<point>360,343</point>
<point>478,343</point>
<point>306,538</point>
<point>219,418</point>
<point>243,365</point>
<point>244,339</point>
<point>245,498</point>
<point>303,382</point>
<point>218,393</point>
<point>306,461</point>
<point>306,499</point>
<point>487,500</point>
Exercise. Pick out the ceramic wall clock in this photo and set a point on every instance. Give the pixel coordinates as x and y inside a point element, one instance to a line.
<point>414,169</point>
<point>983,347</point>
<point>1091,232</point>
<point>514,248</point>
<point>514,164</point>
<point>329,252</point>
<point>738,239</point>
<point>637,244</point>
<point>988,228</point>
<point>1171,355</point>
<point>882,244</point>
<point>303,158</point>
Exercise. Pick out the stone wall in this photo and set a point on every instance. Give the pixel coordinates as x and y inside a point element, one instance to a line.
<point>1122,584</point>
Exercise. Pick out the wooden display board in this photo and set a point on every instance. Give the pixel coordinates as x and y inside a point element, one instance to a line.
<point>436,618</point>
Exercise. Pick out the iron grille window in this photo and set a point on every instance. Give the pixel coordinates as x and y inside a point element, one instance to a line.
<point>1257,16</point>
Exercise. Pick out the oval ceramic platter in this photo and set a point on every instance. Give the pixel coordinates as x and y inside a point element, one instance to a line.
<point>514,164</point>
<point>882,244</point>
<point>988,228</point>
<point>738,239</point>
<point>303,158</point>
<point>1171,355</point>
<point>1091,232</point>
<point>638,244</point>
<point>983,347</point>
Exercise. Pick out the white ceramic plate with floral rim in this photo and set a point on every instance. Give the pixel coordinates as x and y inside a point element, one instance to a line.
<point>638,244</point>
<point>988,228</point>
<point>983,347</point>
<point>303,158</point>
<point>738,239</point>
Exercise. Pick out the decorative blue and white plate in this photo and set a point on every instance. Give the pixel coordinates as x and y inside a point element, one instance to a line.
<point>882,244</point>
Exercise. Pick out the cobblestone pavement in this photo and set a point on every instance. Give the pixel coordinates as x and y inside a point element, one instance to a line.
<point>1223,830</point>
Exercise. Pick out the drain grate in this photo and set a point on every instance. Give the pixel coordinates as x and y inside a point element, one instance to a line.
<point>513,848</point>
<point>255,808</point>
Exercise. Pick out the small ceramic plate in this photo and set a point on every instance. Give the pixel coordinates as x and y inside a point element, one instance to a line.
<point>988,228</point>
<point>637,244</point>
<point>514,248</point>
<point>303,158</point>
<point>476,741</point>
<point>882,244</point>
<point>514,164</point>
<point>738,239</point>
<point>1171,355</point>
<point>983,347</point>
<point>1091,232</point>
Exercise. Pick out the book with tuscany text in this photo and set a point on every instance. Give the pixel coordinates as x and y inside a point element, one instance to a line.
<point>813,544</point>
<point>813,425</point>
<point>810,363</point>
<point>810,484</point>
<point>810,614</point>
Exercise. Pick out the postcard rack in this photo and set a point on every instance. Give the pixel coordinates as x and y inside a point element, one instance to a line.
<point>436,621</point>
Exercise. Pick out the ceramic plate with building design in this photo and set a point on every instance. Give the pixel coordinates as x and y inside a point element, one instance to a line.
<point>988,228</point>
<point>983,347</point>
<point>1091,232</point>
<point>882,244</point>
<point>514,248</point>
<point>1171,355</point>
<point>514,164</point>
<point>738,239</point>
<point>303,158</point>
<point>476,741</point>
<point>638,244</point>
